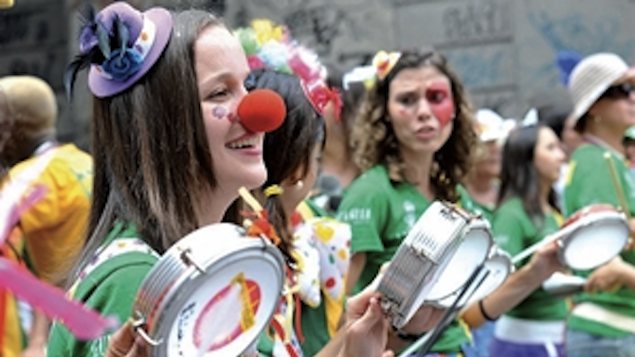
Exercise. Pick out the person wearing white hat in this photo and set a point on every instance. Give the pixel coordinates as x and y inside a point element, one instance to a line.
<point>602,87</point>
<point>482,180</point>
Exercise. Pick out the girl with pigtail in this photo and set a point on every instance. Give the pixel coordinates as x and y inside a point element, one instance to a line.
<point>316,249</point>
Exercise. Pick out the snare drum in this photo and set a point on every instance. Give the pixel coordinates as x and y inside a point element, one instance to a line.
<point>211,294</point>
<point>593,236</point>
<point>426,254</point>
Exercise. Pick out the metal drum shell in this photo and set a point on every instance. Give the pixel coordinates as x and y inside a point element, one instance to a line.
<point>170,282</point>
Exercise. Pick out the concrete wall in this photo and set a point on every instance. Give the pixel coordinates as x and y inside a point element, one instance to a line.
<point>503,50</point>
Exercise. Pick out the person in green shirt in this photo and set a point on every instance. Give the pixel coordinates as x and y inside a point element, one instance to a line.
<point>527,212</point>
<point>412,140</point>
<point>602,87</point>
<point>316,250</point>
<point>170,151</point>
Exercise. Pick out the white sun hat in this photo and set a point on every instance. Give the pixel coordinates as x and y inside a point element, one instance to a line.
<point>592,77</point>
<point>490,126</point>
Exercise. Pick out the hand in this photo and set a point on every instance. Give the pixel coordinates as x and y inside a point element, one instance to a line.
<point>544,262</point>
<point>366,330</point>
<point>608,277</point>
<point>126,343</point>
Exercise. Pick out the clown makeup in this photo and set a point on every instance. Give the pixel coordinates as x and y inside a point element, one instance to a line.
<point>441,101</point>
<point>219,112</point>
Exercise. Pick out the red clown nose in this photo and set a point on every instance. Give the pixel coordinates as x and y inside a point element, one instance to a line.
<point>262,110</point>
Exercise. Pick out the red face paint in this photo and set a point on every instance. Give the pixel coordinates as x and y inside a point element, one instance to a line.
<point>441,101</point>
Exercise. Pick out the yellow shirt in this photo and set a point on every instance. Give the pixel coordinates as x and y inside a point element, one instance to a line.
<point>54,226</point>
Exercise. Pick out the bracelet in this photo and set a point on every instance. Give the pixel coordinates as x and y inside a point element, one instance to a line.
<point>485,314</point>
<point>410,337</point>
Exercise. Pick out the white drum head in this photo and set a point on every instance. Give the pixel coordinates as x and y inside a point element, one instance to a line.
<point>471,253</point>
<point>596,242</point>
<point>498,267</point>
<point>219,303</point>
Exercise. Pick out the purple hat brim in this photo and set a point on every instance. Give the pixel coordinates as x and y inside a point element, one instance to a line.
<point>102,87</point>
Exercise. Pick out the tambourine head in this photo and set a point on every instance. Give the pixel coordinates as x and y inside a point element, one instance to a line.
<point>598,234</point>
<point>471,252</point>
<point>216,300</point>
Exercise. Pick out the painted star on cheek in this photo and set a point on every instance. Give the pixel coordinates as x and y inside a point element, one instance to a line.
<point>441,100</point>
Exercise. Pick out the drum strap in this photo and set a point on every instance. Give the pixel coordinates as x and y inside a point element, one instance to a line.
<point>604,316</point>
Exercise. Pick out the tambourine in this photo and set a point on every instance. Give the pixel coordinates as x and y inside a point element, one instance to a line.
<point>211,294</point>
<point>496,268</point>
<point>589,238</point>
<point>437,256</point>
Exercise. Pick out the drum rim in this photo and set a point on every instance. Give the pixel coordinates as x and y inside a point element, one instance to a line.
<point>166,278</point>
<point>588,220</point>
<point>177,295</point>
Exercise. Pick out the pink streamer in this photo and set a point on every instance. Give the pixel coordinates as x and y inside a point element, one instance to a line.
<point>84,323</point>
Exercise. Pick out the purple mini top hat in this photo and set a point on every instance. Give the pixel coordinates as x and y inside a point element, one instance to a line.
<point>121,44</point>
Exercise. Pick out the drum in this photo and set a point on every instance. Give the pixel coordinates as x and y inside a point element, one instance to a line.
<point>589,238</point>
<point>471,253</point>
<point>496,268</point>
<point>211,294</point>
<point>594,235</point>
<point>423,264</point>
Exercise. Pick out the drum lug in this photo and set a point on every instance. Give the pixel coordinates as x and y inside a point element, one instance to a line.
<point>186,257</point>
<point>138,325</point>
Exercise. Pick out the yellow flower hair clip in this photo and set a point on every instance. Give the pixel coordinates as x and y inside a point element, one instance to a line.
<point>266,30</point>
<point>384,63</point>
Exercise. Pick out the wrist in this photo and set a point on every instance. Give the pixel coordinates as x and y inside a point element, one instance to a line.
<point>487,316</point>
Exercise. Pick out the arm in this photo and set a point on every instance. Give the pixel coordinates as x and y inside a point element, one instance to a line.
<point>38,336</point>
<point>612,275</point>
<point>355,268</point>
<point>516,288</point>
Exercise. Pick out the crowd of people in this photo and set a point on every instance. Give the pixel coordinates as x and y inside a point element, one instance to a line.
<point>355,161</point>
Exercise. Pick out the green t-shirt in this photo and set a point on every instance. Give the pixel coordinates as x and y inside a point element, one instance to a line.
<point>381,213</point>
<point>514,231</point>
<point>472,205</point>
<point>109,287</point>
<point>589,182</point>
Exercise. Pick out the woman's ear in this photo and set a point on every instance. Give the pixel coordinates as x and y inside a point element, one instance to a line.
<point>295,179</point>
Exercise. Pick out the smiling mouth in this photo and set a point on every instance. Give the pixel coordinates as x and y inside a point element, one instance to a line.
<point>244,143</point>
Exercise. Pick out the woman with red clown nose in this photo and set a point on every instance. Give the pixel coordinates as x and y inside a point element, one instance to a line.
<point>412,140</point>
<point>170,146</point>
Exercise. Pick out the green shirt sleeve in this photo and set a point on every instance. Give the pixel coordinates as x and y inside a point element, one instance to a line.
<point>508,230</point>
<point>366,212</point>
<point>112,293</point>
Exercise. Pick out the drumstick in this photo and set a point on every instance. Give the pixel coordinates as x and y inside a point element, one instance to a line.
<point>619,191</point>
<point>534,247</point>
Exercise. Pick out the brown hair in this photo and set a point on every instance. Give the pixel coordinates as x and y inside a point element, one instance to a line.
<point>152,160</point>
<point>375,142</point>
<point>288,148</point>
